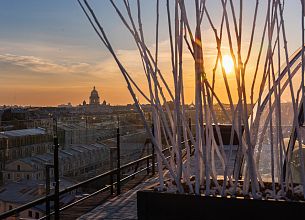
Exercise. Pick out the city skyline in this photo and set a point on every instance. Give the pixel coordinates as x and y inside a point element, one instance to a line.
<point>49,55</point>
<point>152,109</point>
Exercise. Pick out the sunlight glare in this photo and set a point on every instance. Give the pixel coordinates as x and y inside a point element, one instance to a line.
<point>227,63</point>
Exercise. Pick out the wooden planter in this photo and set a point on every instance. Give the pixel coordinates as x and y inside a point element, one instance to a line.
<point>156,205</point>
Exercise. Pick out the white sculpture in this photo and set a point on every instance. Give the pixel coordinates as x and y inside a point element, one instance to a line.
<point>260,92</point>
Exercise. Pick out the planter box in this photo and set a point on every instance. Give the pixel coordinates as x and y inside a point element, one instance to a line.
<point>156,205</point>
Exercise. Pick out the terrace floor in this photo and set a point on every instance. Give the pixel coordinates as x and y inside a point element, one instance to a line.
<point>123,206</point>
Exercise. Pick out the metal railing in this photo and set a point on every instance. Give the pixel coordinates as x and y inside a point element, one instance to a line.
<point>110,174</point>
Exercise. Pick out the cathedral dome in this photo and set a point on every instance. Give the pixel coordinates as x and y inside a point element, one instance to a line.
<point>94,97</point>
<point>94,93</point>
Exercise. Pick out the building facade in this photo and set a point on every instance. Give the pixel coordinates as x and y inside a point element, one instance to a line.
<point>25,142</point>
<point>14,194</point>
<point>75,161</point>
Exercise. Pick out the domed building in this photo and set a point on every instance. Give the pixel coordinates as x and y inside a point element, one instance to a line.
<point>94,97</point>
<point>94,105</point>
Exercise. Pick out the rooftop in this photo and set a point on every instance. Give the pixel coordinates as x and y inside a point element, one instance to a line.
<point>23,132</point>
<point>71,152</point>
<point>27,190</point>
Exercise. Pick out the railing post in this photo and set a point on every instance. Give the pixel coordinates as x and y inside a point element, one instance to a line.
<point>48,209</point>
<point>147,165</point>
<point>153,152</point>
<point>56,177</point>
<point>111,184</point>
<point>190,126</point>
<point>118,163</point>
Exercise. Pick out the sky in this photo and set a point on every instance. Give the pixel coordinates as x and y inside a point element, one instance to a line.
<point>50,55</point>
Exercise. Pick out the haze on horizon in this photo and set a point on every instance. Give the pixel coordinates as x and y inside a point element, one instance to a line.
<point>50,55</point>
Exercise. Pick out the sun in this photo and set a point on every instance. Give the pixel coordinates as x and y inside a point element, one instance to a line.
<point>227,63</point>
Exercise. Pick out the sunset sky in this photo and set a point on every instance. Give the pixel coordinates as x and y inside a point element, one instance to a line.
<point>50,55</point>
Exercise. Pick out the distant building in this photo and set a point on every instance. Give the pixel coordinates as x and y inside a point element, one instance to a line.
<point>24,118</point>
<point>95,105</point>
<point>84,132</point>
<point>74,161</point>
<point>69,105</point>
<point>13,118</point>
<point>94,97</point>
<point>14,194</point>
<point>22,143</point>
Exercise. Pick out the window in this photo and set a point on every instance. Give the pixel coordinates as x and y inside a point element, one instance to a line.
<point>30,214</point>
<point>18,167</point>
<point>28,177</point>
<point>8,176</point>
<point>36,215</point>
<point>10,207</point>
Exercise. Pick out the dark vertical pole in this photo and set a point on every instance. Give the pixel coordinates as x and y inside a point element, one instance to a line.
<point>111,184</point>
<point>56,177</point>
<point>2,162</point>
<point>153,151</point>
<point>86,129</point>
<point>56,173</point>
<point>303,42</point>
<point>48,166</point>
<point>147,165</point>
<point>111,168</point>
<point>190,143</point>
<point>118,162</point>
